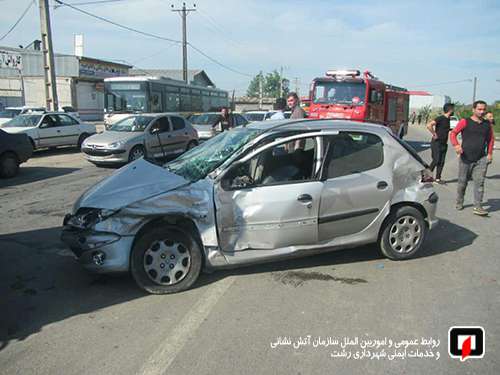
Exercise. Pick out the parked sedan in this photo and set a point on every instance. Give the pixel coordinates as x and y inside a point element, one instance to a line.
<point>206,123</point>
<point>254,194</point>
<point>50,129</point>
<point>14,150</point>
<point>157,135</point>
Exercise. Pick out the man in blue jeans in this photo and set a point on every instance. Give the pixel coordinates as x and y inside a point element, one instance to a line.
<point>475,153</point>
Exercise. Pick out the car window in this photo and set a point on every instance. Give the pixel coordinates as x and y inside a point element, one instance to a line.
<point>177,123</point>
<point>240,120</point>
<point>288,162</point>
<point>50,121</point>
<point>162,124</point>
<point>349,153</point>
<point>67,120</point>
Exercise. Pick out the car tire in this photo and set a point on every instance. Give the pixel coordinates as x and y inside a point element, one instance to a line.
<point>403,233</point>
<point>81,139</point>
<point>191,145</point>
<point>135,153</point>
<point>165,260</point>
<point>9,165</point>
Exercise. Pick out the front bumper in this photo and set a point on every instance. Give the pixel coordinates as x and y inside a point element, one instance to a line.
<point>105,156</point>
<point>111,249</point>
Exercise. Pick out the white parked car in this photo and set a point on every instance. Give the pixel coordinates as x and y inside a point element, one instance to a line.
<point>50,129</point>
<point>10,112</point>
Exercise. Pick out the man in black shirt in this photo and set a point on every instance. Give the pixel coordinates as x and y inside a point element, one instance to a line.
<point>439,128</point>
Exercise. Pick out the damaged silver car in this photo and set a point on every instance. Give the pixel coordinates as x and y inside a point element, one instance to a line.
<point>263,192</point>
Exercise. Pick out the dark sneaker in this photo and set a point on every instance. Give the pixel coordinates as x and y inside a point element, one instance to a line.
<point>459,206</point>
<point>480,211</point>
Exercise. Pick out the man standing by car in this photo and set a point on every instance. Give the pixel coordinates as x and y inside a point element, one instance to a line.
<point>225,120</point>
<point>292,100</point>
<point>439,128</point>
<point>475,153</point>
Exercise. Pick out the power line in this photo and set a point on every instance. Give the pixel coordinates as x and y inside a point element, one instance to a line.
<point>152,36</point>
<point>217,28</point>
<point>217,62</point>
<point>443,83</point>
<point>118,24</point>
<point>90,3</point>
<point>18,20</point>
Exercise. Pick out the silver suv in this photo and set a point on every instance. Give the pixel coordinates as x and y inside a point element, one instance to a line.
<point>254,194</point>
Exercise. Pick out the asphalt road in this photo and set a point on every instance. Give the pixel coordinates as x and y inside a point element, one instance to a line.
<point>58,319</point>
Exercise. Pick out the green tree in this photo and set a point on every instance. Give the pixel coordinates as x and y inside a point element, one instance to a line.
<point>270,85</point>
<point>253,87</point>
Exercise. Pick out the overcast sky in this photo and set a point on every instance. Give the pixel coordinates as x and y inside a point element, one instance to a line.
<point>415,44</point>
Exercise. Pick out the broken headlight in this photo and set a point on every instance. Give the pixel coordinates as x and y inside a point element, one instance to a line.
<point>89,217</point>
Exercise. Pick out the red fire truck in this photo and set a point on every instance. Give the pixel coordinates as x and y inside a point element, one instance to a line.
<point>345,94</point>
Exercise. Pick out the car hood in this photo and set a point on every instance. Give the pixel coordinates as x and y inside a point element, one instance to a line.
<point>132,183</point>
<point>17,130</point>
<point>109,137</point>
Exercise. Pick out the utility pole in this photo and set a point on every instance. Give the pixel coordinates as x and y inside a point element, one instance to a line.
<point>474,90</point>
<point>52,103</point>
<point>261,89</point>
<point>281,81</point>
<point>296,81</point>
<point>184,12</point>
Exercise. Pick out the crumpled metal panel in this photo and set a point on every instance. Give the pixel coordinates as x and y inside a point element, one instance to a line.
<point>131,183</point>
<point>193,201</point>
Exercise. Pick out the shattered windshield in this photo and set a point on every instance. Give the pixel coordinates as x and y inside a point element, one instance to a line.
<point>200,161</point>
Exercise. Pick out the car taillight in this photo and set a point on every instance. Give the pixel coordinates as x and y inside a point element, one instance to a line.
<point>426,176</point>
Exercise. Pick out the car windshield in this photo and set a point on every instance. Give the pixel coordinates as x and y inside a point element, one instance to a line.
<point>23,121</point>
<point>10,113</point>
<point>204,119</point>
<point>131,124</point>
<point>255,116</point>
<point>200,161</point>
<point>339,93</point>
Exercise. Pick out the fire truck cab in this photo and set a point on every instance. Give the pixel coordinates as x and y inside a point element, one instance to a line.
<point>345,94</point>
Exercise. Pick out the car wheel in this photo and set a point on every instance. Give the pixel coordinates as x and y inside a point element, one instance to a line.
<point>135,153</point>
<point>165,260</point>
<point>9,165</point>
<point>81,139</point>
<point>403,234</point>
<point>191,145</point>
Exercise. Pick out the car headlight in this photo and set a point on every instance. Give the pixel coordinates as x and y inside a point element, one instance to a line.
<point>115,144</point>
<point>88,217</point>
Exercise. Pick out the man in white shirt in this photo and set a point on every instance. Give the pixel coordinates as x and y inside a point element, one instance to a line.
<point>280,107</point>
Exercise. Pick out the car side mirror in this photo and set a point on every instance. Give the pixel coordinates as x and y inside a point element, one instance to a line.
<point>155,130</point>
<point>44,125</point>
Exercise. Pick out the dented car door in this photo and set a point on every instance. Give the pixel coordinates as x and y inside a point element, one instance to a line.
<point>270,198</point>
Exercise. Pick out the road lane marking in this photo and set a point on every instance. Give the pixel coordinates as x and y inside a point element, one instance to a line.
<point>162,358</point>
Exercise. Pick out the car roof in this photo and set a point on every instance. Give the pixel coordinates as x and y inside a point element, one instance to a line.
<point>313,124</point>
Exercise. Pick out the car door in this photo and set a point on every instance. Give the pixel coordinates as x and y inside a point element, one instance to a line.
<point>69,128</point>
<point>50,132</point>
<point>357,185</point>
<point>180,136</point>
<point>270,199</point>
<point>158,131</point>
